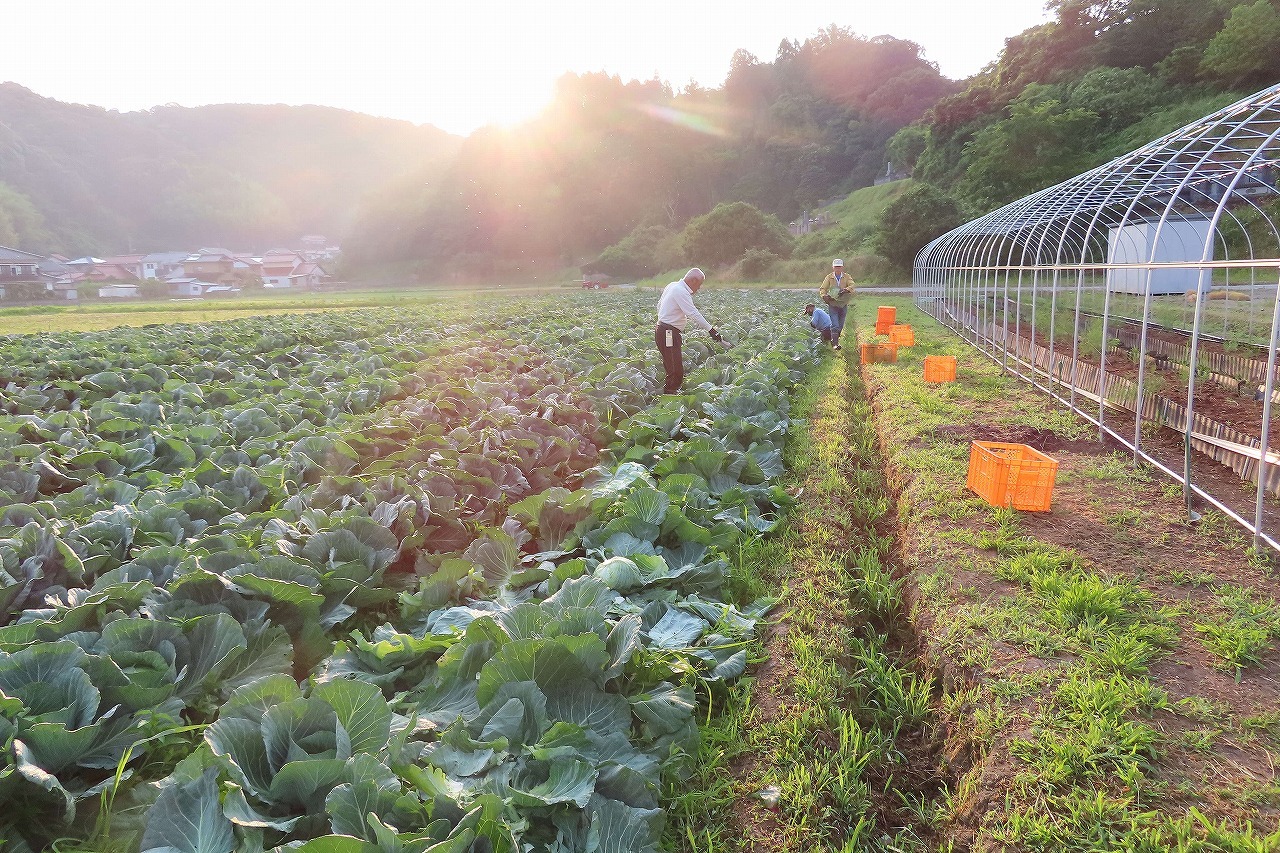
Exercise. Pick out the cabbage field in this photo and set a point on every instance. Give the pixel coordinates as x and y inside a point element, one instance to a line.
<point>377,581</point>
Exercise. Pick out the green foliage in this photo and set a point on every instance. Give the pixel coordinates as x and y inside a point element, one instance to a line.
<point>726,233</point>
<point>905,147</point>
<point>1243,53</point>
<point>755,265</point>
<point>912,220</point>
<point>1146,33</point>
<point>1242,631</point>
<point>646,251</point>
<point>377,573</point>
<point>607,155</point>
<point>22,225</point>
<point>1098,80</point>
<point>26,291</point>
<point>1037,145</point>
<point>857,217</point>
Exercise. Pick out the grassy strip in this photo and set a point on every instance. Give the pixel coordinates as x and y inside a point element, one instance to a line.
<point>835,725</point>
<point>96,315</point>
<point>1108,668</point>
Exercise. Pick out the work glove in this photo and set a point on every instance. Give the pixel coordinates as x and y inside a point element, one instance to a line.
<point>715,336</point>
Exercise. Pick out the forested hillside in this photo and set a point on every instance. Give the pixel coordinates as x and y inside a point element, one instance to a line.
<point>609,157</point>
<point>1100,79</point>
<point>80,179</point>
<point>630,178</point>
<point>618,176</point>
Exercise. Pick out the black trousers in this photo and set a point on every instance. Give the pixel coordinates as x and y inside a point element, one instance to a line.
<point>668,340</point>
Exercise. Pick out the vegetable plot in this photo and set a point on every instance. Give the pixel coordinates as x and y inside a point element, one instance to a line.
<point>365,582</point>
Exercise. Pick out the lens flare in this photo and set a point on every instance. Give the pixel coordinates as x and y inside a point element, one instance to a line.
<point>685,119</point>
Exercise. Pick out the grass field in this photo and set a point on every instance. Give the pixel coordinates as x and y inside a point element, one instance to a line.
<point>1108,668</point>
<point>97,315</point>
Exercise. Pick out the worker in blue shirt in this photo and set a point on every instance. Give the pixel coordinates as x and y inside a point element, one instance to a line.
<point>821,320</point>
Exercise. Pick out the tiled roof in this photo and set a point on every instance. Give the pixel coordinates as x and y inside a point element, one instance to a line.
<point>166,257</point>
<point>10,256</point>
<point>111,272</point>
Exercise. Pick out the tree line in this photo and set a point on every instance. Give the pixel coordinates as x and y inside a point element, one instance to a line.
<point>613,174</point>
<point>81,180</point>
<point>1101,78</point>
<point>629,178</point>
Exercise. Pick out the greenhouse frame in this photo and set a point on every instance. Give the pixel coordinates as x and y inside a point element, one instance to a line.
<point>1143,295</point>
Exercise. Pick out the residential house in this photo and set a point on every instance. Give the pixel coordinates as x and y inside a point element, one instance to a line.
<point>58,277</point>
<point>126,268</point>
<point>55,267</point>
<point>131,264</point>
<point>309,275</point>
<point>243,265</point>
<point>113,272</point>
<point>17,265</point>
<point>316,248</point>
<point>20,275</point>
<point>284,268</point>
<point>188,287</point>
<point>163,264</point>
<point>119,290</point>
<point>215,265</point>
<point>278,266</point>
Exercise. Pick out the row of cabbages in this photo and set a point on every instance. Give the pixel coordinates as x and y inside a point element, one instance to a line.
<point>445,639</point>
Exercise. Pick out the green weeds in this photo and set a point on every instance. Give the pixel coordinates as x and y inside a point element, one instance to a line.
<point>1057,670</point>
<point>832,742</point>
<point>1242,630</point>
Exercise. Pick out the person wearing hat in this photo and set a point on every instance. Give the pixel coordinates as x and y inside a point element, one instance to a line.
<point>675,310</point>
<point>820,321</point>
<point>836,291</point>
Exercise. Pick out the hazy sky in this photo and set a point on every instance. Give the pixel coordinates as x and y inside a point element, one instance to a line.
<point>458,64</point>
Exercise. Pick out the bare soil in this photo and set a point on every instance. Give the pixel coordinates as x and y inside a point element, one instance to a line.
<point>1238,411</point>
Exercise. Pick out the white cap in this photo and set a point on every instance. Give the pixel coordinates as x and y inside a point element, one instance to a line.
<point>837,263</point>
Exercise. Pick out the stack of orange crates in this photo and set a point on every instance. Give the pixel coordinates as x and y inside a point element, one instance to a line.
<point>1012,475</point>
<point>886,316</point>
<point>939,368</point>
<point>879,353</point>
<point>902,335</point>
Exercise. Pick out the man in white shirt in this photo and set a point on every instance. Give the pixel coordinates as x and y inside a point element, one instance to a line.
<point>675,310</point>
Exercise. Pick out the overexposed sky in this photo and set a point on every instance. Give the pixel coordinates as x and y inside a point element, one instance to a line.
<point>459,64</point>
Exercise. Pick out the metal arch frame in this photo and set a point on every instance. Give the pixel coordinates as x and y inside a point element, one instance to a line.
<point>1081,228</point>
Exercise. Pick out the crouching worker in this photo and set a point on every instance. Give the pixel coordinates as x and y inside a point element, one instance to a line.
<point>820,320</point>
<point>675,310</point>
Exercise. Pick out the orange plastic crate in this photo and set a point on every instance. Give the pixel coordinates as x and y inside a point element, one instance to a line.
<point>939,368</point>
<point>886,316</point>
<point>879,353</point>
<point>902,335</point>
<point>1012,475</point>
